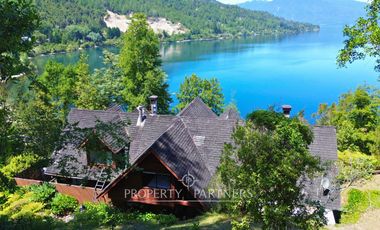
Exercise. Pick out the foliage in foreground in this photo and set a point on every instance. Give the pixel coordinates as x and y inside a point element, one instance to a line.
<point>358,203</point>
<point>63,204</point>
<point>271,198</point>
<point>18,21</point>
<point>363,38</point>
<point>357,119</point>
<point>355,166</point>
<point>19,163</point>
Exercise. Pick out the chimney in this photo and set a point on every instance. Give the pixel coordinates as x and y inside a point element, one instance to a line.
<point>141,117</point>
<point>153,104</point>
<point>286,110</point>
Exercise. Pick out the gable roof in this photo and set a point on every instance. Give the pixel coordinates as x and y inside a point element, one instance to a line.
<point>197,108</point>
<point>190,142</point>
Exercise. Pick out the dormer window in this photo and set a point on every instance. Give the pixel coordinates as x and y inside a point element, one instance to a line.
<point>97,153</point>
<point>100,157</point>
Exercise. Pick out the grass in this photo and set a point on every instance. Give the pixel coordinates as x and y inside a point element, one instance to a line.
<point>358,203</point>
<point>206,221</point>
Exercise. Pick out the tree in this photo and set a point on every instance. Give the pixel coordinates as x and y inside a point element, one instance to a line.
<point>363,38</point>
<point>270,165</point>
<point>18,21</point>
<point>140,62</point>
<point>357,118</point>
<point>208,90</point>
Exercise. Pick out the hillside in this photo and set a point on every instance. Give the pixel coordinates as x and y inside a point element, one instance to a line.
<point>321,12</point>
<point>75,20</point>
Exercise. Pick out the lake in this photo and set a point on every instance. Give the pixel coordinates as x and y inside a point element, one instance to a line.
<point>257,73</point>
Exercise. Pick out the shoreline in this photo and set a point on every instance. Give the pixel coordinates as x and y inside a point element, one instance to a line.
<point>104,44</point>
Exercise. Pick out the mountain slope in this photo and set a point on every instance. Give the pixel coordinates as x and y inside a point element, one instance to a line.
<point>203,18</point>
<point>319,12</point>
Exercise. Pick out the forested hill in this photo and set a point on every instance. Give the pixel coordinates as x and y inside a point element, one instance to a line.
<point>321,12</point>
<point>202,18</point>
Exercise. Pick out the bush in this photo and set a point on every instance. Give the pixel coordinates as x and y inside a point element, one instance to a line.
<point>63,204</point>
<point>166,219</point>
<point>358,203</point>
<point>20,206</point>
<point>96,215</point>
<point>6,184</point>
<point>244,224</point>
<point>19,163</point>
<point>42,193</point>
<point>354,166</point>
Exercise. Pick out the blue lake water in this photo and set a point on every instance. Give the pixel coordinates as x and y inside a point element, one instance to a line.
<point>257,73</point>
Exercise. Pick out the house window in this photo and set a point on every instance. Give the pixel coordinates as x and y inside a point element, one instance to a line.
<point>100,157</point>
<point>153,180</point>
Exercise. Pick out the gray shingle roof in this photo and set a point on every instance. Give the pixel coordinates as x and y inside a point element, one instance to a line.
<point>230,114</point>
<point>197,108</point>
<point>324,146</point>
<point>190,142</point>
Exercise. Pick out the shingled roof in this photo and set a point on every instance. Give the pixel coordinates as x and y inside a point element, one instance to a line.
<point>197,108</point>
<point>190,142</point>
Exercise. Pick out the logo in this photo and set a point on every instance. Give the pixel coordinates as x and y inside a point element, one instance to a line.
<point>188,180</point>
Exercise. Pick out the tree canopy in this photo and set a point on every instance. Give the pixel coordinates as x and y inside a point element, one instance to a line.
<point>269,164</point>
<point>18,20</point>
<point>363,38</point>
<point>140,64</point>
<point>81,22</point>
<point>209,90</point>
<point>357,118</point>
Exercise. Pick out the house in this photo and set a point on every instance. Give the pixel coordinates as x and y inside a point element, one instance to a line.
<point>171,158</point>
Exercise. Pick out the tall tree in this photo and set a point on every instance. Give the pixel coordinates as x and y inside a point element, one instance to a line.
<point>280,147</point>
<point>209,90</point>
<point>363,38</point>
<point>18,21</point>
<point>140,62</point>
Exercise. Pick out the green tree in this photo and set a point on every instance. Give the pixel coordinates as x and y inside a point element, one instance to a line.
<point>140,62</point>
<point>18,21</point>
<point>363,38</point>
<point>208,90</point>
<point>357,118</point>
<point>272,197</point>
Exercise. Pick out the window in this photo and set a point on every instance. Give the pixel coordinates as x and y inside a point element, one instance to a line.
<point>100,157</point>
<point>153,180</point>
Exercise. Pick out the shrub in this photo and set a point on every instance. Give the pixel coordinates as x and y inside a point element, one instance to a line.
<point>244,224</point>
<point>152,218</point>
<point>359,202</point>
<point>6,184</point>
<point>166,219</point>
<point>63,204</point>
<point>19,163</point>
<point>96,215</point>
<point>354,166</point>
<point>20,206</point>
<point>42,193</point>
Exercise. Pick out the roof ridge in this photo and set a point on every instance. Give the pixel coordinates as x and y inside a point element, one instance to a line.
<point>207,109</point>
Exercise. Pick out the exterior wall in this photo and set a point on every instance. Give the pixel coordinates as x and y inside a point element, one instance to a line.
<point>82,194</point>
<point>134,180</point>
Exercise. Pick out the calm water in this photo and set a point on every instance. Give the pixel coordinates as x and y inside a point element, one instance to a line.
<point>298,70</point>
